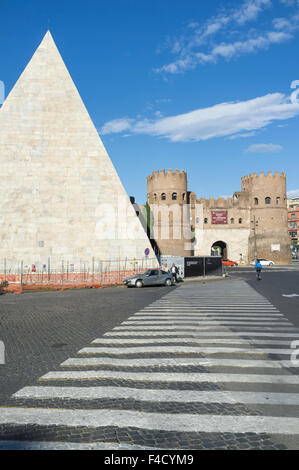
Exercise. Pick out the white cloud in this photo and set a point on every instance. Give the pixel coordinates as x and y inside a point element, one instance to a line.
<point>116,126</point>
<point>202,47</point>
<point>226,51</point>
<point>264,148</point>
<point>250,10</point>
<point>222,120</point>
<point>244,135</point>
<point>290,3</point>
<point>281,23</point>
<point>293,193</point>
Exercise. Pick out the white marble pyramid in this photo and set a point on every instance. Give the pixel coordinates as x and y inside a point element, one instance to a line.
<point>60,195</point>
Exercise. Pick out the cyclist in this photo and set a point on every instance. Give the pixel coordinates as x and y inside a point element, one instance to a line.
<point>258,268</point>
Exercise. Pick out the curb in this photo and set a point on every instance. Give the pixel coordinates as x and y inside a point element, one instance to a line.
<point>204,280</point>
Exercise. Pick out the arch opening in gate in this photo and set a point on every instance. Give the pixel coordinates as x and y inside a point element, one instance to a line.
<point>219,248</point>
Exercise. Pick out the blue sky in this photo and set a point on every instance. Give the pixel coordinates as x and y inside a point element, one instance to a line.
<point>194,85</point>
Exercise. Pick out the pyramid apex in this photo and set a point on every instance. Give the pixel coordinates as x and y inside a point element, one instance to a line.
<point>47,41</point>
<point>47,37</point>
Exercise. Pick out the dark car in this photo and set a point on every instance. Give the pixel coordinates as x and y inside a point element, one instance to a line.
<point>151,277</point>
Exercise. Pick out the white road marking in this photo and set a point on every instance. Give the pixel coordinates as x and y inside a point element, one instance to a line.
<point>65,445</point>
<point>170,377</point>
<point>163,321</point>
<point>181,349</point>
<point>152,421</point>
<point>264,315</point>
<point>200,333</point>
<point>202,328</point>
<point>190,340</point>
<point>174,362</point>
<point>202,324</point>
<point>160,395</point>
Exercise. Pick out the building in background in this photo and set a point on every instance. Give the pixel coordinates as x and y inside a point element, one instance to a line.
<point>293,202</point>
<point>168,199</point>
<point>293,222</point>
<point>252,223</point>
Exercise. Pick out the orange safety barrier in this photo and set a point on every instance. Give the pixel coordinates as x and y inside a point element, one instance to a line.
<point>18,283</point>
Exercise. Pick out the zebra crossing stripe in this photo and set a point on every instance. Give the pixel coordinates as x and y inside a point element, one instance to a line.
<point>181,349</point>
<point>56,445</point>
<point>202,328</point>
<point>207,315</point>
<point>160,395</point>
<point>223,304</point>
<point>203,322</point>
<point>209,307</point>
<point>200,333</point>
<point>152,421</point>
<point>177,362</point>
<point>193,377</point>
<point>189,340</point>
<point>216,311</point>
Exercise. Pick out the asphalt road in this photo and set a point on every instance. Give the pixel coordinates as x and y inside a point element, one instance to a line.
<point>42,329</point>
<point>275,284</point>
<point>162,346</point>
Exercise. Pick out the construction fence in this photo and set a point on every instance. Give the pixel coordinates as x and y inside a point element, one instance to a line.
<point>18,277</point>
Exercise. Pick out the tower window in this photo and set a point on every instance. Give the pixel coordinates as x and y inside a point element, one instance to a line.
<point>155,197</point>
<point>232,220</point>
<point>174,196</point>
<point>267,200</point>
<point>163,197</point>
<point>205,220</point>
<point>240,221</point>
<point>184,196</point>
<point>277,200</point>
<point>256,201</point>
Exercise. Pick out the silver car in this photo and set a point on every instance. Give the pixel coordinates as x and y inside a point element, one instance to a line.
<point>151,277</point>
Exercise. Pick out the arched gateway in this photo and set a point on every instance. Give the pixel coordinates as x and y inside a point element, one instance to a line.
<point>219,248</point>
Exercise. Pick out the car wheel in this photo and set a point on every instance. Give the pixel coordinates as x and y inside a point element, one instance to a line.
<point>271,264</point>
<point>168,282</point>
<point>139,283</point>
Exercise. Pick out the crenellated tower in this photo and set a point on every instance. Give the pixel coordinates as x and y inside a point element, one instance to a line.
<point>167,196</point>
<point>268,216</point>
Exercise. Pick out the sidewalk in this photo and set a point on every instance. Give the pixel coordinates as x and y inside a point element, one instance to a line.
<point>204,279</point>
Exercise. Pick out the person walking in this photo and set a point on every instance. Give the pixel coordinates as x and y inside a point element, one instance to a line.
<point>174,272</point>
<point>258,268</point>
